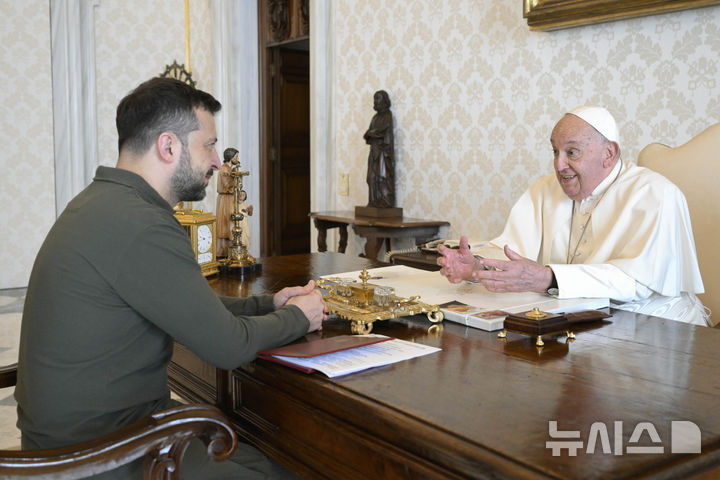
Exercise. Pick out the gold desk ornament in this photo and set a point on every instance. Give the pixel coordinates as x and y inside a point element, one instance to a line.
<point>238,259</point>
<point>363,303</point>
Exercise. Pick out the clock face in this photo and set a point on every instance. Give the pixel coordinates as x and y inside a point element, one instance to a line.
<point>204,238</point>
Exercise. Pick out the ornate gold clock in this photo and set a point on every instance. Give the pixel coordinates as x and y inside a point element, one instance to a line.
<point>200,226</point>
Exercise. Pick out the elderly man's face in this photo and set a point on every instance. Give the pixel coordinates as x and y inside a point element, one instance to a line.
<point>583,158</point>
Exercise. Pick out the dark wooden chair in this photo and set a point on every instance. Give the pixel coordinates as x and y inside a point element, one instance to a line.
<point>161,438</point>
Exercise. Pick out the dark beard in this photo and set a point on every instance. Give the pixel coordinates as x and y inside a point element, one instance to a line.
<point>185,183</point>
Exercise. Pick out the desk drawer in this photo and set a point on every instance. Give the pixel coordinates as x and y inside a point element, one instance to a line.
<point>314,442</point>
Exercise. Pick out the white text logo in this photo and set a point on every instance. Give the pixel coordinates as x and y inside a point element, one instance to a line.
<point>684,438</point>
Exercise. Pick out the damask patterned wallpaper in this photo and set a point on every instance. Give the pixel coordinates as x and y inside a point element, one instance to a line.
<point>134,41</point>
<point>27,168</point>
<point>475,95</point>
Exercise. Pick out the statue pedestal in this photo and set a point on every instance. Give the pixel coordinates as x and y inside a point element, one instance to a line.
<point>375,212</point>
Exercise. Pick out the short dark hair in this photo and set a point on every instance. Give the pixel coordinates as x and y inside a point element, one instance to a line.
<point>160,105</point>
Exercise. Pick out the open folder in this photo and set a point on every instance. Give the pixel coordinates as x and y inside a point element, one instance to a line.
<point>345,354</point>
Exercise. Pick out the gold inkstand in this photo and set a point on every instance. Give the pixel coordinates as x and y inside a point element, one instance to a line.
<point>363,303</point>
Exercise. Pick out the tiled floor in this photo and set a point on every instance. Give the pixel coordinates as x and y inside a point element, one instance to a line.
<point>11,305</point>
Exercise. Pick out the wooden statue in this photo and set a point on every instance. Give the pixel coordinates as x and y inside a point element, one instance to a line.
<point>225,202</point>
<point>381,161</point>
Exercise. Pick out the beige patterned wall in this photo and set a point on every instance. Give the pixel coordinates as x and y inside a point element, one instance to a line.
<point>134,40</point>
<point>475,95</point>
<point>27,170</point>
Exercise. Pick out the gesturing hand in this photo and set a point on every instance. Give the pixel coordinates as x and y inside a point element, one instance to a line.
<point>457,265</point>
<point>519,274</point>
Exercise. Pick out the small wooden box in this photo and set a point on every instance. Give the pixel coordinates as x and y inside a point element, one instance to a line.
<point>536,323</point>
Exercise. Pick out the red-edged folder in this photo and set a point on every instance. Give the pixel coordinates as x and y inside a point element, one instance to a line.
<point>318,347</point>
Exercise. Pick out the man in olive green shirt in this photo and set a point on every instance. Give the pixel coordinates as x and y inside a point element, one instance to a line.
<point>116,281</point>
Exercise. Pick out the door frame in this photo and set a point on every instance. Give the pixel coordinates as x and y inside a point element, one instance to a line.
<point>237,80</point>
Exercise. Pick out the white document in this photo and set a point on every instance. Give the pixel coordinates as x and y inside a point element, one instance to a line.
<point>480,304</point>
<point>361,358</point>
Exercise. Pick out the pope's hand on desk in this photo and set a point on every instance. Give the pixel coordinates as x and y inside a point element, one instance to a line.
<point>311,304</point>
<point>519,274</point>
<point>457,265</point>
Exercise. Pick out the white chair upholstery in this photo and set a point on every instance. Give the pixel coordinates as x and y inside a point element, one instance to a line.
<point>695,168</point>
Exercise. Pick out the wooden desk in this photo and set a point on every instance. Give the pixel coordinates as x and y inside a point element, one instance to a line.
<point>374,230</point>
<point>481,407</point>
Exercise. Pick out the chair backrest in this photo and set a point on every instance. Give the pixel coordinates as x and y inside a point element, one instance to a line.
<point>695,168</point>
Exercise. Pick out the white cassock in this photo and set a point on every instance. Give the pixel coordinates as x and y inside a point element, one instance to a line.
<point>631,241</point>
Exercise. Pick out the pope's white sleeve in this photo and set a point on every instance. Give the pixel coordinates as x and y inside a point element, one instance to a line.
<point>597,281</point>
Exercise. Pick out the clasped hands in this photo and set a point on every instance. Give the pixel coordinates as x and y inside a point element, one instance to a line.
<point>307,299</point>
<point>517,274</point>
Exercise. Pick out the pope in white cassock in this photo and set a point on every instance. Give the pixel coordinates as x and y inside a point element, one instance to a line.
<point>599,227</point>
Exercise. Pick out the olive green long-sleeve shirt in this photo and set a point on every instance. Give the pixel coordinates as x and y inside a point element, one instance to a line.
<point>114,283</point>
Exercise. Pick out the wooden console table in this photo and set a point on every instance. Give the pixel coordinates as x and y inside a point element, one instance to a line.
<point>481,407</point>
<point>374,230</point>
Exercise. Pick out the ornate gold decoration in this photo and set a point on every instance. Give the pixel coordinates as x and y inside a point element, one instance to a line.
<point>238,256</point>
<point>536,313</point>
<point>363,303</point>
<point>178,72</point>
<point>182,72</point>
<point>557,14</point>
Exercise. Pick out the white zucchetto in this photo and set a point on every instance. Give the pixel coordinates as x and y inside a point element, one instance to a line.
<point>600,119</point>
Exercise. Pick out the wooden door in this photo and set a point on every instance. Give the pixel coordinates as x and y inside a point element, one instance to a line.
<point>284,32</point>
<point>290,151</point>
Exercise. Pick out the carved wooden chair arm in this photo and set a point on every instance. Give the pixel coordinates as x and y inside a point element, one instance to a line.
<point>8,375</point>
<point>161,437</point>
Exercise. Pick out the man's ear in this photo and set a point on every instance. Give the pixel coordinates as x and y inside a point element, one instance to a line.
<point>168,147</point>
<point>612,149</point>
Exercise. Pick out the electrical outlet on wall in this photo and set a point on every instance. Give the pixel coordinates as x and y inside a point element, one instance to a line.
<point>344,184</point>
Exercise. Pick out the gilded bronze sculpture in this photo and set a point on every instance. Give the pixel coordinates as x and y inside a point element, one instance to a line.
<point>238,256</point>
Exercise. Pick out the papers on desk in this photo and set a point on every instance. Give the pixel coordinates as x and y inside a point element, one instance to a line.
<point>347,353</point>
<point>469,303</point>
